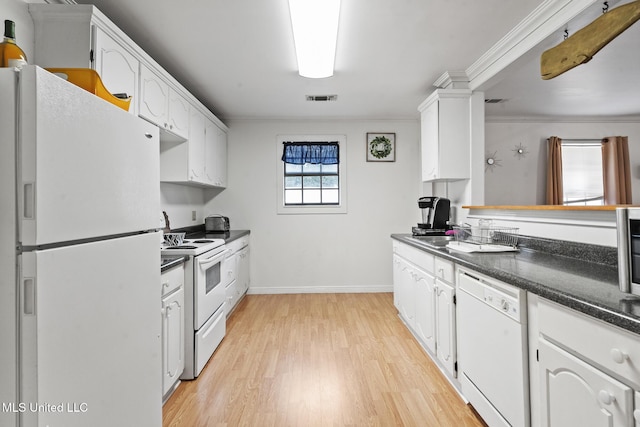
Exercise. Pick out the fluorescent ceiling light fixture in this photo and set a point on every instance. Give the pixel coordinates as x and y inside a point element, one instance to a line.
<point>315,33</point>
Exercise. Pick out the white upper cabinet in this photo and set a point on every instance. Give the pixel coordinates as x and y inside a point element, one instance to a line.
<point>445,135</point>
<point>178,115</point>
<point>117,68</point>
<point>84,39</point>
<point>193,149</point>
<point>201,160</point>
<point>196,154</point>
<point>154,98</point>
<point>162,105</point>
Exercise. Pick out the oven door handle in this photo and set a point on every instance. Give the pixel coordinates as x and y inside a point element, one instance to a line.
<point>206,262</point>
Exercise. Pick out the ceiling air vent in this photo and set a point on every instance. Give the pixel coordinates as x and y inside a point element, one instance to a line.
<point>494,100</point>
<point>322,98</point>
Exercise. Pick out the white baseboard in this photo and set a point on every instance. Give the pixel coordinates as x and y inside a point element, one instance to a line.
<point>268,290</point>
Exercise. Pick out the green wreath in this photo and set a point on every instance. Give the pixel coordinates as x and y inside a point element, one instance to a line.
<point>380,147</point>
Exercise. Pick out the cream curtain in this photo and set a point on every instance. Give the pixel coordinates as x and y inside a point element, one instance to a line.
<point>616,170</point>
<point>554,171</point>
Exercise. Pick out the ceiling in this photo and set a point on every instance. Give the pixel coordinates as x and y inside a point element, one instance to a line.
<point>608,85</point>
<point>238,57</point>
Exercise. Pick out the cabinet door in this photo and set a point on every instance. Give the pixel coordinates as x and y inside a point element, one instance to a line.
<point>574,393</point>
<point>215,154</point>
<point>446,326</point>
<point>406,300</point>
<point>429,129</point>
<point>196,147</point>
<point>231,294</point>
<point>118,69</point>
<point>210,161</point>
<point>221,157</point>
<point>242,259</point>
<point>172,339</point>
<point>636,412</point>
<point>397,277</point>
<point>445,133</point>
<point>425,316</point>
<point>154,98</point>
<point>178,114</point>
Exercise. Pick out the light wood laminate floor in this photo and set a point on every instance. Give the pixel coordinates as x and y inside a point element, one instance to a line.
<point>318,360</point>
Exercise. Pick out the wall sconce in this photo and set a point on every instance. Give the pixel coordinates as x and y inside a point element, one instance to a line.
<point>315,34</point>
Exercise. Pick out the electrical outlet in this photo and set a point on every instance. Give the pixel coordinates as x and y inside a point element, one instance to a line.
<point>193,215</point>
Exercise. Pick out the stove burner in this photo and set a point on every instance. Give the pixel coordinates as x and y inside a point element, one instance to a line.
<point>182,247</point>
<point>203,241</point>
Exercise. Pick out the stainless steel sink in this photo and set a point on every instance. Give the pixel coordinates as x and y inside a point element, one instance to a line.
<point>435,242</point>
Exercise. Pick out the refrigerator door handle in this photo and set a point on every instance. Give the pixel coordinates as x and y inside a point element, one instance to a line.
<point>29,201</point>
<point>29,296</point>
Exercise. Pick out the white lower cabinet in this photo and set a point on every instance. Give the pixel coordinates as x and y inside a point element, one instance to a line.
<point>446,326</point>
<point>237,267</point>
<point>426,302</point>
<point>575,393</point>
<point>403,290</point>
<point>588,370</point>
<point>242,267</point>
<point>172,328</point>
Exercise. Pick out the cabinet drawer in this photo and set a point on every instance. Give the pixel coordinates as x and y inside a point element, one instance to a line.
<point>614,349</point>
<point>444,270</point>
<point>422,259</point>
<point>238,244</point>
<point>172,279</point>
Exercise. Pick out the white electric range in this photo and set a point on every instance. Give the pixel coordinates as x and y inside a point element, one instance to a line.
<point>206,277</point>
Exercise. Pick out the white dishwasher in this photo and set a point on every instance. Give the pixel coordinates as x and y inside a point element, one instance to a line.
<point>492,345</point>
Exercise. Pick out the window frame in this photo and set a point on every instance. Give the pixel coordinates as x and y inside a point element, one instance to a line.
<point>341,206</point>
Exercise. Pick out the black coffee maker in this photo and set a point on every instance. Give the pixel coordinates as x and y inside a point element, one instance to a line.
<point>435,216</point>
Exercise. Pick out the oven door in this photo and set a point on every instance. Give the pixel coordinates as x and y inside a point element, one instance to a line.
<point>209,291</point>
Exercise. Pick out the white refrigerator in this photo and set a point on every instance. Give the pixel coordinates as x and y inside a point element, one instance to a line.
<point>79,258</point>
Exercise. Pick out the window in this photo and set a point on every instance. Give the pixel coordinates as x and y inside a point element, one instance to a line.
<point>582,178</point>
<point>311,174</point>
<point>311,184</point>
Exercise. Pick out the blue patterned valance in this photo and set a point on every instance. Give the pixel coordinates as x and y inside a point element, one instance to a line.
<point>299,153</point>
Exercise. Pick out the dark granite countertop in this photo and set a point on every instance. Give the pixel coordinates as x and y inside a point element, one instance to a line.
<point>228,236</point>
<point>169,263</point>
<point>579,283</point>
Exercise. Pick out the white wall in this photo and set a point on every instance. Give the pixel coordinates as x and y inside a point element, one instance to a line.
<point>179,202</point>
<point>325,252</point>
<point>522,181</point>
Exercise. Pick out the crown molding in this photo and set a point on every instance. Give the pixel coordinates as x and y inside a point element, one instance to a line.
<point>452,80</point>
<point>563,119</point>
<point>547,18</point>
